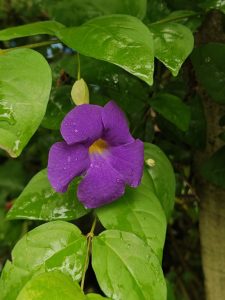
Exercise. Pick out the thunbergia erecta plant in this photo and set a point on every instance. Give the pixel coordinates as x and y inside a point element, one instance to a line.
<point>99,147</point>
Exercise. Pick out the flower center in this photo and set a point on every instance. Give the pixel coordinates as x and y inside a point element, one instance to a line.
<point>98,146</point>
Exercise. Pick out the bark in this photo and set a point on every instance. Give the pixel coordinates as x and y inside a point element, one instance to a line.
<point>212,214</point>
<point>212,207</point>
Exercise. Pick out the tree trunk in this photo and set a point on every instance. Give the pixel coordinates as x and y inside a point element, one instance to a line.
<point>212,207</point>
<point>212,211</point>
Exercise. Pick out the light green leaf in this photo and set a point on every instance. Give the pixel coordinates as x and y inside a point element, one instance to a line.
<point>44,249</point>
<point>12,280</point>
<point>162,175</point>
<point>118,39</point>
<point>213,169</point>
<point>39,201</point>
<point>25,79</point>
<point>52,285</point>
<point>76,12</point>
<point>140,212</point>
<point>172,43</point>
<point>207,60</point>
<point>173,109</point>
<point>127,268</point>
<point>44,27</point>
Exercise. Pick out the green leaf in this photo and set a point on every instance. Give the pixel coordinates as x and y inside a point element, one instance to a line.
<point>52,285</point>
<point>118,39</point>
<point>214,168</point>
<point>12,176</point>
<point>173,109</point>
<point>140,212</point>
<point>172,43</point>
<point>76,12</point>
<point>12,280</point>
<point>58,106</point>
<point>163,177</point>
<point>207,60</point>
<point>44,249</point>
<point>95,297</point>
<point>127,268</point>
<point>213,4</point>
<point>39,201</point>
<point>44,27</point>
<point>25,79</point>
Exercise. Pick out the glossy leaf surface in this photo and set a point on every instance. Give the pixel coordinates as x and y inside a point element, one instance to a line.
<point>162,175</point>
<point>173,43</point>
<point>39,201</point>
<point>126,268</point>
<point>140,212</point>
<point>25,80</point>
<point>118,39</point>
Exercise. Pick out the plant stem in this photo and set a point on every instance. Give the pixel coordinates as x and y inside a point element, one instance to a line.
<point>175,18</point>
<point>35,45</point>
<point>78,66</point>
<point>90,236</point>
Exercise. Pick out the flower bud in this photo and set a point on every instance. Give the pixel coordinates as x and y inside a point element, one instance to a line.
<point>80,93</point>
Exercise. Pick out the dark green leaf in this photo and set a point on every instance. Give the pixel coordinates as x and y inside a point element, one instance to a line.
<point>95,297</point>
<point>213,4</point>
<point>214,168</point>
<point>39,201</point>
<point>12,176</point>
<point>76,12</point>
<point>126,268</point>
<point>173,109</point>
<point>118,39</point>
<point>140,212</point>
<point>45,27</point>
<point>25,80</point>
<point>59,105</point>
<point>207,61</point>
<point>162,175</point>
<point>172,43</point>
<point>52,285</point>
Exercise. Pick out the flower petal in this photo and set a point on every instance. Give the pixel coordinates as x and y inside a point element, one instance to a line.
<point>101,185</point>
<point>115,125</point>
<point>128,160</point>
<point>82,124</point>
<point>65,162</point>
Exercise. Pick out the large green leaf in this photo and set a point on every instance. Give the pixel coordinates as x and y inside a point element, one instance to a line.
<point>127,268</point>
<point>209,70</point>
<point>45,27</point>
<point>140,212</point>
<point>52,285</point>
<point>51,246</point>
<point>76,12</point>
<point>39,201</point>
<point>214,168</point>
<point>173,109</point>
<point>172,43</point>
<point>162,175</point>
<point>118,39</point>
<point>25,83</point>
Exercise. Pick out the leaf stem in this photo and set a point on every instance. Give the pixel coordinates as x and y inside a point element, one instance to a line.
<point>90,236</point>
<point>78,66</point>
<point>35,45</point>
<point>172,19</point>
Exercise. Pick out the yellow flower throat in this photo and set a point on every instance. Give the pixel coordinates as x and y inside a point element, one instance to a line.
<point>98,146</point>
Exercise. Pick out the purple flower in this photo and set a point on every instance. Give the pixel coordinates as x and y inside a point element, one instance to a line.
<point>99,147</point>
